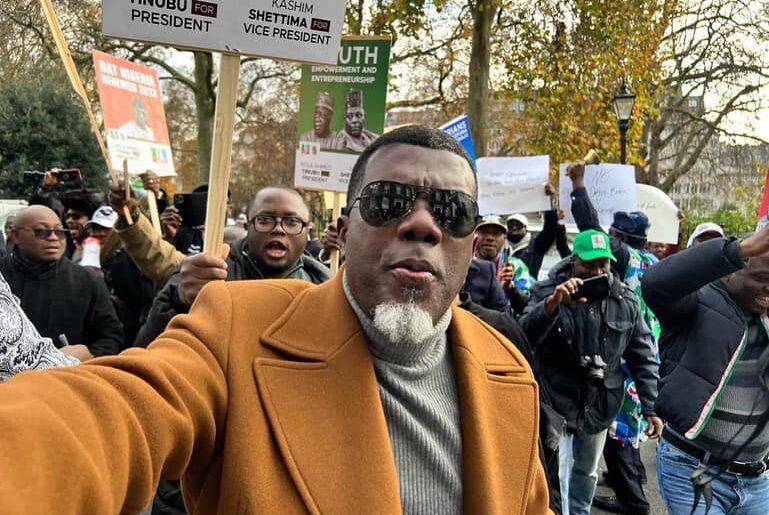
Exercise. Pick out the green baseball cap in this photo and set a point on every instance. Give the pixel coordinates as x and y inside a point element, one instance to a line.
<point>592,244</point>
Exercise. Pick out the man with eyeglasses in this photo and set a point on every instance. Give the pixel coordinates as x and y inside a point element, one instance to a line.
<point>371,393</point>
<point>273,249</point>
<point>65,302</point>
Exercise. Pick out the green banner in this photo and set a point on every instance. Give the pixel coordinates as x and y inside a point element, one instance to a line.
<point>341,111</point>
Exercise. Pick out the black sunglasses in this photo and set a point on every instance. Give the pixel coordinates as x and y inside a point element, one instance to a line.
<point>386,202</point>
<point>44,234</point>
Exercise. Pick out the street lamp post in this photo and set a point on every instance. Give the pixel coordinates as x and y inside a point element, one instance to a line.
<point>623,108</point>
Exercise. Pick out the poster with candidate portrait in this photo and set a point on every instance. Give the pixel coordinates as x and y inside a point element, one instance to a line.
<point>134,118</point>
<point>341,112</point>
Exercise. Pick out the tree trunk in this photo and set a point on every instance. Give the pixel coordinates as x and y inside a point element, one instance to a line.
<point>478,97</point>
<point>355,17</point>
<point>205,102</point>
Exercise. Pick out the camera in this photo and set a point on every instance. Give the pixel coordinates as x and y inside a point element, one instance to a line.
<point>596,368</point>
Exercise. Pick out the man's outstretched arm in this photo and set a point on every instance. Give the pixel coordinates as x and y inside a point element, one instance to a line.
<point>98,437</point>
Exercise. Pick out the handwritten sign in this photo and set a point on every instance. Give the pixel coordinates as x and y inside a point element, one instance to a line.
<point>298,30</point>
<point>512,184</point>
<point>611,188</point>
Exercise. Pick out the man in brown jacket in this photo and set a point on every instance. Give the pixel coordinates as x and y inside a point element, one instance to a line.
<point>371,393</point>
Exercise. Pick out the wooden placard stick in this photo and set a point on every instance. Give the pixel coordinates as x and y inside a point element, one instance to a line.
<point>221,153</point>
<point>336,211</point>
<point>126,213</point>
<point>74,77</point>
<point>152,203</point>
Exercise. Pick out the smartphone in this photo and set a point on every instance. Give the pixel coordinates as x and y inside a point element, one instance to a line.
<point>68,175</point>
<point>192,208</point>
<point>593,288</point>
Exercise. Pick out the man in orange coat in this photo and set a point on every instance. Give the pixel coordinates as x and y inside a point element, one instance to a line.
<point>372,393</point>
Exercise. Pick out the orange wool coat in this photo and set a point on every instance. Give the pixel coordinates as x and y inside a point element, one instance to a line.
<point>264,400</point>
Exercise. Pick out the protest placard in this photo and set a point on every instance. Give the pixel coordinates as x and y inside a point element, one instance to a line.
<point>298,30</point>
<point>512,184</point>
<point>662,213</point>
<point>611,188</point>
<point>341,112</point>
<point>459,127</point>
<point>134,118</point>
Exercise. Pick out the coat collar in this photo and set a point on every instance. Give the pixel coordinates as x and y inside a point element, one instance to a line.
<point>323,404</point>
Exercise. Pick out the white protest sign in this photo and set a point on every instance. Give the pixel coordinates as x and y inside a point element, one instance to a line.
<point>298,30</point>
<point>662,213</point>
<point>611,188</point>
<point>512,184</point>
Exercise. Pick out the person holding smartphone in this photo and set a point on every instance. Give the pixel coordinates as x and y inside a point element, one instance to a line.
<point>581,321</point>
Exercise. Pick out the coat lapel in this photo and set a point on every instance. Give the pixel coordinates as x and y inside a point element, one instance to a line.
<point>323,405</point>
<point>498,402</point>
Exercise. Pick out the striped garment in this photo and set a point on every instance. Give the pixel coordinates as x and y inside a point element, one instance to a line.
<point>740,406</point>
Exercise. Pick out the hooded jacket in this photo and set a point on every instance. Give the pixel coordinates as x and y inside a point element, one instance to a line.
<point>240,266</point>
<point>611,328</point>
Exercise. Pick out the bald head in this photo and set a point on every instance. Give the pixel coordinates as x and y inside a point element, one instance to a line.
<point>38,234</point>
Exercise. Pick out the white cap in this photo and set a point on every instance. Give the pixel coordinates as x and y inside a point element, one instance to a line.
<point>491,220</point>
<point>702,229</point>
<point>105,217</point>
<point>518,217</point>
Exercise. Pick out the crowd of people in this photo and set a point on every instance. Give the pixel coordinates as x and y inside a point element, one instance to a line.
<point>441,370</point>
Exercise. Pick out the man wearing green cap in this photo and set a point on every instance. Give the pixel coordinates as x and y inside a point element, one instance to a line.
<point>581,320</point>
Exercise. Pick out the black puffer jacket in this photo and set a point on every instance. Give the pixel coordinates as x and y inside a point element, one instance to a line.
<point>612,328</point>
<point>241,266</point>
<point>702,330</point>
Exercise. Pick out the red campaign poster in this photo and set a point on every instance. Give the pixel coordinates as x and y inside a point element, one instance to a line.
<point>134,118</point>
<point>763,209</point>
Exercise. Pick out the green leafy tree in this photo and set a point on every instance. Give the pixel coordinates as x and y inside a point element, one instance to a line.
<point>42,126</point>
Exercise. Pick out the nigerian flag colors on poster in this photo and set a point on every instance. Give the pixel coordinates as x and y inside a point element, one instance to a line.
<point>341,111</point>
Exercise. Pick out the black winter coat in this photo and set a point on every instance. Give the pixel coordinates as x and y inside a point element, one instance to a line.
<point>703,330</point>
<point>65,298</point>
<point>612,328</point>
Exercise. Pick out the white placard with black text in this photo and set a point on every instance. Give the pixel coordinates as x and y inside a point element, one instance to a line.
<point>611,188</point>
<point>512,184</point>
<point>296,30</point>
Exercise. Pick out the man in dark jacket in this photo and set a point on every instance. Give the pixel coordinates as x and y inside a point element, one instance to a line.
<point>483,287</point>
<point>625,471</point>
<point>273,249</point>
<point>712,302</point>
<point>59,297</point>
<point>578,341</point>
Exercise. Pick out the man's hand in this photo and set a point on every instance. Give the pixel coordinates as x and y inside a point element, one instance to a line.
<point>654,431</point>
<point>330,240</point>
<point>196,272</point>
<point>576,172</point>
<point>171,220</point>
<point>506,276</point>
<point>757,244</point>
<point>50,179</point>
<point>562,295</point>
<point>80,352</point>
<point>550,190</point>
<point>117,199</point>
